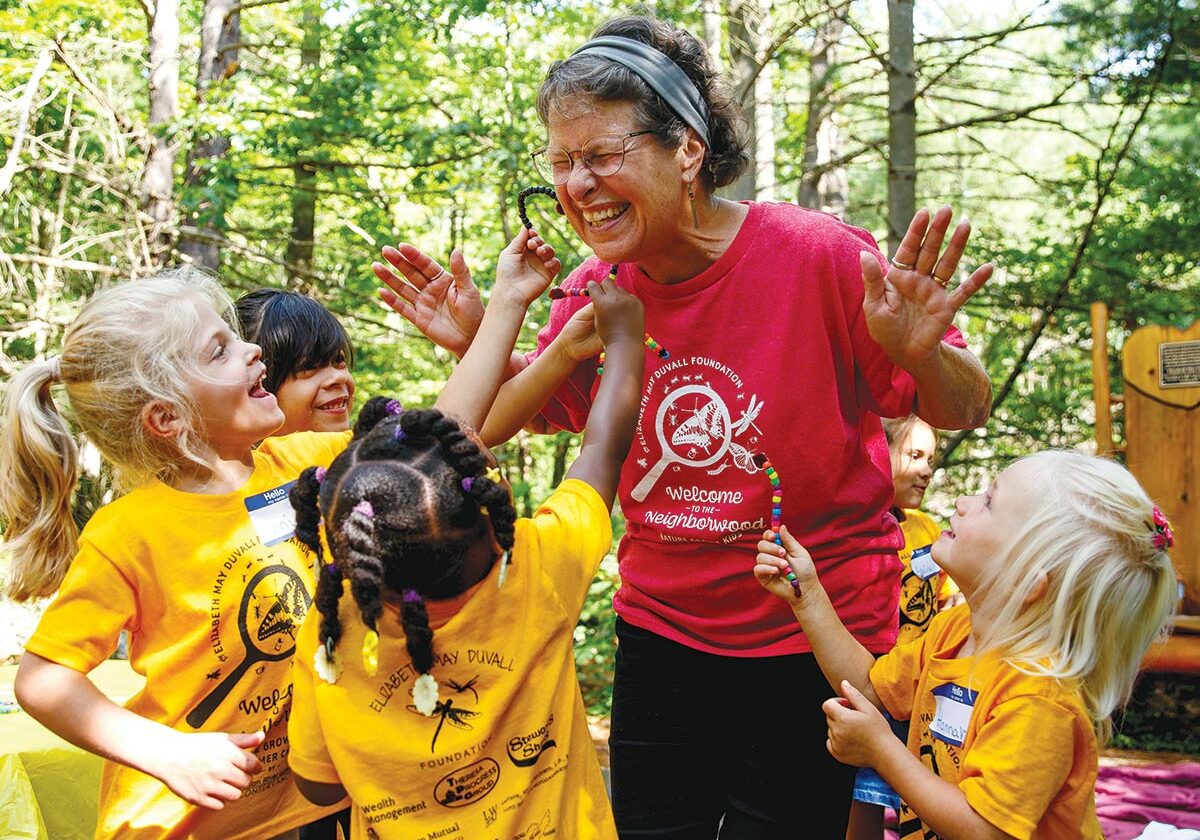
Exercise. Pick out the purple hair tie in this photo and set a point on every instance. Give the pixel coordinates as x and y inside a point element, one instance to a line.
<point>393,407</point>
<point>412,596</point>
<point>399,434</point>
<point>320,474</point>
<point>364,507</point>
<point>468,483</point>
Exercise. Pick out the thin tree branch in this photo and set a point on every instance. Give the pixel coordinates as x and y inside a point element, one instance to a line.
<point>24,108</point>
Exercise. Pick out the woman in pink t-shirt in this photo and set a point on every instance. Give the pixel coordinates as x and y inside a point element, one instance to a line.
<point>786,342</point>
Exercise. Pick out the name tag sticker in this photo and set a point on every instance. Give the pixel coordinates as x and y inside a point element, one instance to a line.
<point>954,707</point>
<point>922,563</point>
<point>272,515</point>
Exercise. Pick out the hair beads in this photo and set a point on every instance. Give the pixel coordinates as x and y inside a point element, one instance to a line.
<point>777,513</point>
<point>523,195</point>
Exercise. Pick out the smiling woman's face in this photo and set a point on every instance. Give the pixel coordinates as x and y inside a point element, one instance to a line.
<point>634,214</point>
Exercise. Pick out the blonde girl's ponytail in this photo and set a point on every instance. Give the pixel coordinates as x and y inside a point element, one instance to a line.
<point>38,470</point>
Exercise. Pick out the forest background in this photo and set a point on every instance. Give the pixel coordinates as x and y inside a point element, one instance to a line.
<point>284,142</point>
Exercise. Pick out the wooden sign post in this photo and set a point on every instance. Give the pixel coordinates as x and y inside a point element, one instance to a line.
<point>1161,367</point>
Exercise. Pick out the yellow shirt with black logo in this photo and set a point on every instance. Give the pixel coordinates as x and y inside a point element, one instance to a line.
<point>923,588</point>
<point>212,589</point>
<point>1021,748</point>
<point>507,752</point>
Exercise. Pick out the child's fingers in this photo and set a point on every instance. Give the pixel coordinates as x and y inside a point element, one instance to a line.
<point>835,708</point>
<point>789,542</point>
<point>767,545</point>
<point>226,792</point>
<point>854,697</point>
<point>766,572</point>
<point>247,740</point>
<point>248,762</point>
<point>240,779</point>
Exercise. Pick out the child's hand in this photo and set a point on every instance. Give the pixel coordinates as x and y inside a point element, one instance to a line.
<point>772,564</point>
<point>207,768</point>
<point>526,268</point>
<point>578,339</point>
<point>619,315</point>
<point>856,728</point>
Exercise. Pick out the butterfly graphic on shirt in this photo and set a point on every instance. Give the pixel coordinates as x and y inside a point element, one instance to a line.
<point>705,427</point>
<point>286,614</point>
<point>447,712</point>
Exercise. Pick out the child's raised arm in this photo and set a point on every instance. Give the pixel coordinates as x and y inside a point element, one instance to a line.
<point>525,269</point>
<point>204,768</point>
<point>621,324</point>
<point>524,395</point>
<point>839,654</point>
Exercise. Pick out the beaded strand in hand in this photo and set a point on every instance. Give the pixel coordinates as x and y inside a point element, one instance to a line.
<point>558,293</point>
<point>777,512</point>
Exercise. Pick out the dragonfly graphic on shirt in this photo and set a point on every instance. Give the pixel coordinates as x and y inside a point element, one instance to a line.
<point>447,712</point>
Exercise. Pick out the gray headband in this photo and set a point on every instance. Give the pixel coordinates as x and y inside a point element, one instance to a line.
<point>662,74</point>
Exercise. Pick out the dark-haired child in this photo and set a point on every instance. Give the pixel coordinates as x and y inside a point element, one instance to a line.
<point>308,357</point>
<point>447,704</point>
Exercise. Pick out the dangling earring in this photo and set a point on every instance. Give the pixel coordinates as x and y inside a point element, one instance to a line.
<point>692,199</point>
<point>558,208</point>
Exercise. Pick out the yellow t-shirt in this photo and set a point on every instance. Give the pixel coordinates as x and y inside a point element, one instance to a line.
<point>1020,747</point>
<point>923,586</point>
<point>212,591</point>
<point>507,753</point>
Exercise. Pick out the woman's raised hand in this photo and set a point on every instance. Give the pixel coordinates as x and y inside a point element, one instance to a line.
<point>444,305</point>
<point>909,309</point>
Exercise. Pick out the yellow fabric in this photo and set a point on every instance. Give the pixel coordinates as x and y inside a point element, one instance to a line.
<point>1028,757</point>
<point>508,753</point>
<point>919,598</point>
<point>190,578</point>
<point>43,779</point>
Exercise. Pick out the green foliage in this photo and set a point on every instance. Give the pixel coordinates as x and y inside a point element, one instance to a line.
<point>1161,715</point>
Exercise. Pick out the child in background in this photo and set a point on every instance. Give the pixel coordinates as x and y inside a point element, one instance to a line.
<point>194,561</point>
<point>924,589</point>
<point>1063,565</point>
<point>308,358</point>
<point>447,704</point>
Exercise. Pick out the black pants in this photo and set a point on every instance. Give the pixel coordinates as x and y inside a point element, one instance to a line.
<point>702,743</point>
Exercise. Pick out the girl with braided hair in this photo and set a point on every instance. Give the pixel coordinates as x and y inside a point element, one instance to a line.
<point>446,704</point>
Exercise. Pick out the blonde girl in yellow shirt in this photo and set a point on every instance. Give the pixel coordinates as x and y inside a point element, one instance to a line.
<point>197,561</point>
<point>1063,564</point>
<point>447,704</point>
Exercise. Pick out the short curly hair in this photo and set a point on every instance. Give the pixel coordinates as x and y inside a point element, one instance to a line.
<point>593,76</point>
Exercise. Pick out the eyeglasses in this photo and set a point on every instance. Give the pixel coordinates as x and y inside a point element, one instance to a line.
<point>601,155</point>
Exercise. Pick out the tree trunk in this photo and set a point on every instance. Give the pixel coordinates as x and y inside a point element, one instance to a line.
<point>156,192</point>
<point>299,257</point>
<point>821,187</point>
<point>220,32</point>
<point>712,31</point>
<point>902,122</point>
<point>753,79</point>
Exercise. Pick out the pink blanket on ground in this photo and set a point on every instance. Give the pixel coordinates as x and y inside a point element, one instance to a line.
<point>1129,797</point>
